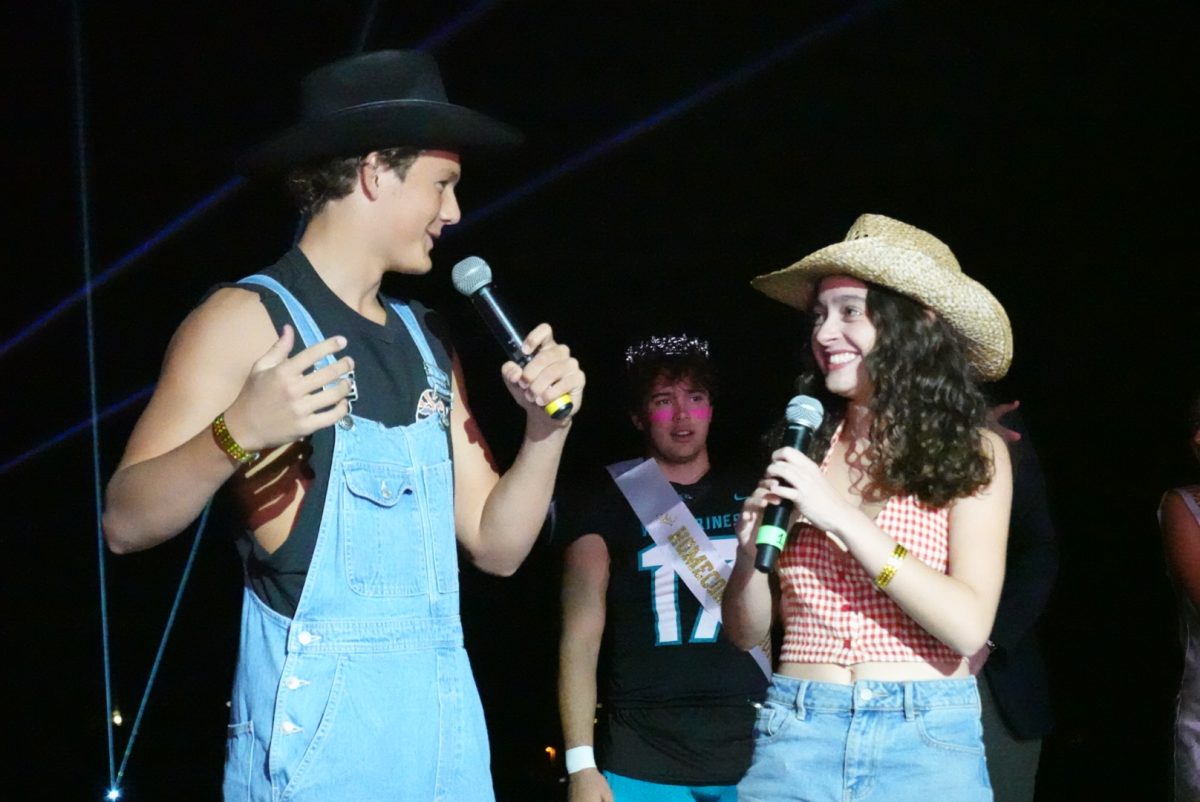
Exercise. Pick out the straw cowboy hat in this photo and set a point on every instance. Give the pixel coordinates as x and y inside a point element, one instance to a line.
<point>915,263</point>
<point>388,98</point>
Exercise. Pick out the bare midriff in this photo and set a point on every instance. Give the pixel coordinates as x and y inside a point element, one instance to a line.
<point>883,672</point>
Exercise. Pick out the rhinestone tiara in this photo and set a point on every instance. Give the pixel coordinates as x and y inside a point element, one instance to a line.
<point>671,345</point>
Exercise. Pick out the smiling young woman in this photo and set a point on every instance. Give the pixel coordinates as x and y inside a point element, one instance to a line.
<point>892,571</point>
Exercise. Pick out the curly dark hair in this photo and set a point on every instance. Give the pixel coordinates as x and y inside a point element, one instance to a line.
<point>927,414</point>
<point>642,374</point>
<point>315,184</point>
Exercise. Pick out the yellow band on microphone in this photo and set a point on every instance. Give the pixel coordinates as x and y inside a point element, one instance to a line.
<point>560,407</point>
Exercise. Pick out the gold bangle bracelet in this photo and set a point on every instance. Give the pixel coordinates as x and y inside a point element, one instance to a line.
<point>889,568</point>
<point>228,444</point>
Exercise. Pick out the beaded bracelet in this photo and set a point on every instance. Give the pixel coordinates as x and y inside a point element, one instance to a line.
<point>228,444</point>
<point>889,568</point>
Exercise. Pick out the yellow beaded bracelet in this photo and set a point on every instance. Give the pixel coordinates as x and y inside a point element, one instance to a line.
<point>228,444</point>
<point>889,568</point>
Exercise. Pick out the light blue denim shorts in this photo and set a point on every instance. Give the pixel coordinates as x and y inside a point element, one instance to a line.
<point>868,742</point>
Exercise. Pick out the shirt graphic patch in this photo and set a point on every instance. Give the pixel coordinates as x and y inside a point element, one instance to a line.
<point>430,403</point>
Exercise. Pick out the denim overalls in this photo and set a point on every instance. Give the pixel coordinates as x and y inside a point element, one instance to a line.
<point>366,693</point>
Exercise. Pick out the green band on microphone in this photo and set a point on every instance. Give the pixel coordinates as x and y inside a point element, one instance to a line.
<point>769,535</point>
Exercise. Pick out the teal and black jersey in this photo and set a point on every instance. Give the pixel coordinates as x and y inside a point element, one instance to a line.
<point>679,694</point>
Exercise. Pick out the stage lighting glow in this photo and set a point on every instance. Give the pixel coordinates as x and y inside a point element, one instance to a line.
<point>117,718</point>
<point>113,794</point>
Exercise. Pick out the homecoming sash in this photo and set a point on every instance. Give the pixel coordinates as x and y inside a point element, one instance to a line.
<point>673,527</point>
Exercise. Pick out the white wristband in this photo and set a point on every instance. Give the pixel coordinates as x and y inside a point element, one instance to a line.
<point>579,758</point>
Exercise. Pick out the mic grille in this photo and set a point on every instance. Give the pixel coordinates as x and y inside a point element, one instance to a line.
<point>471,275</point>
<point>806,411</point>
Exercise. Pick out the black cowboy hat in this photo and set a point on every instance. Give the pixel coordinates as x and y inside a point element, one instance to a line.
<point>388,98</point>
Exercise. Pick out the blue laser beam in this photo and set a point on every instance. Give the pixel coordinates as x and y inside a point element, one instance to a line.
<point>95,417</point>
<point>667,114</point>
<point>565,168</point>
<point>218,195</point>
<point>85,226</point>
<point>74,429</point>
<point>162,644</point>
<point>456,25</point>
<point>432,42</point>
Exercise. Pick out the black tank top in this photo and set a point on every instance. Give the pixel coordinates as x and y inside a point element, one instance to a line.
<point>391,378</point>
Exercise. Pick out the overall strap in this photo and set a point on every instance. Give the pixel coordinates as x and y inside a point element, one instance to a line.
<point>308,331</point>
<point>438,379</point>
<point>672,526</point>
<point>307,328</point>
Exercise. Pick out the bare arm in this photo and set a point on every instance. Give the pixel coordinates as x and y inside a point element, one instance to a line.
<point>225,357</point>
<point>585,583</point>
<point>957,607</point>
<point>497,518</point>
<point>1181,542</point>
<point>747,606</point>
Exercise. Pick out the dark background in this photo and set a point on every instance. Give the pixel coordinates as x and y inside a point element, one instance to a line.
<point>675,150</point>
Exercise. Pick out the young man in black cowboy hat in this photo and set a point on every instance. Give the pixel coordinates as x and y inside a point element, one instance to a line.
<point>332,412</point>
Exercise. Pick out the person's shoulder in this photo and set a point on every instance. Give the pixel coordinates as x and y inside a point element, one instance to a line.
<point>232,318</point>
<point>1175,499</point>
<point>1177,520</point>
<point>229,300</point>
<point>1170,500</point>
<point>995,446</point>
<point>991,437</point>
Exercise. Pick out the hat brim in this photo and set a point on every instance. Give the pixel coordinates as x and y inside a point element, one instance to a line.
<point>965,304</point>
<point>372,126</point>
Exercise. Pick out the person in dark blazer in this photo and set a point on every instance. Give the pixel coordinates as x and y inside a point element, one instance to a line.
<point>1017,709</point>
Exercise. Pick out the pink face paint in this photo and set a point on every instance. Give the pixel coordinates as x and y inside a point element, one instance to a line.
<point>666,414</point>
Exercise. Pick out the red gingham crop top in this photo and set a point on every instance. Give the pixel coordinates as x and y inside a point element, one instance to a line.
<point>832,611</point>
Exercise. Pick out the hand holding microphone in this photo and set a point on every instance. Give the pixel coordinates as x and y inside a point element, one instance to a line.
<point>804,415</point>
<point>473,278</point>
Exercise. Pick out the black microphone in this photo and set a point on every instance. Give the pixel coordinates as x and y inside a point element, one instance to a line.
<point>473,278</point>
<point>804,415</point>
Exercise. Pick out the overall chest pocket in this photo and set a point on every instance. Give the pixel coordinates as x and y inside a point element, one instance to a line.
<point>385,535</point>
